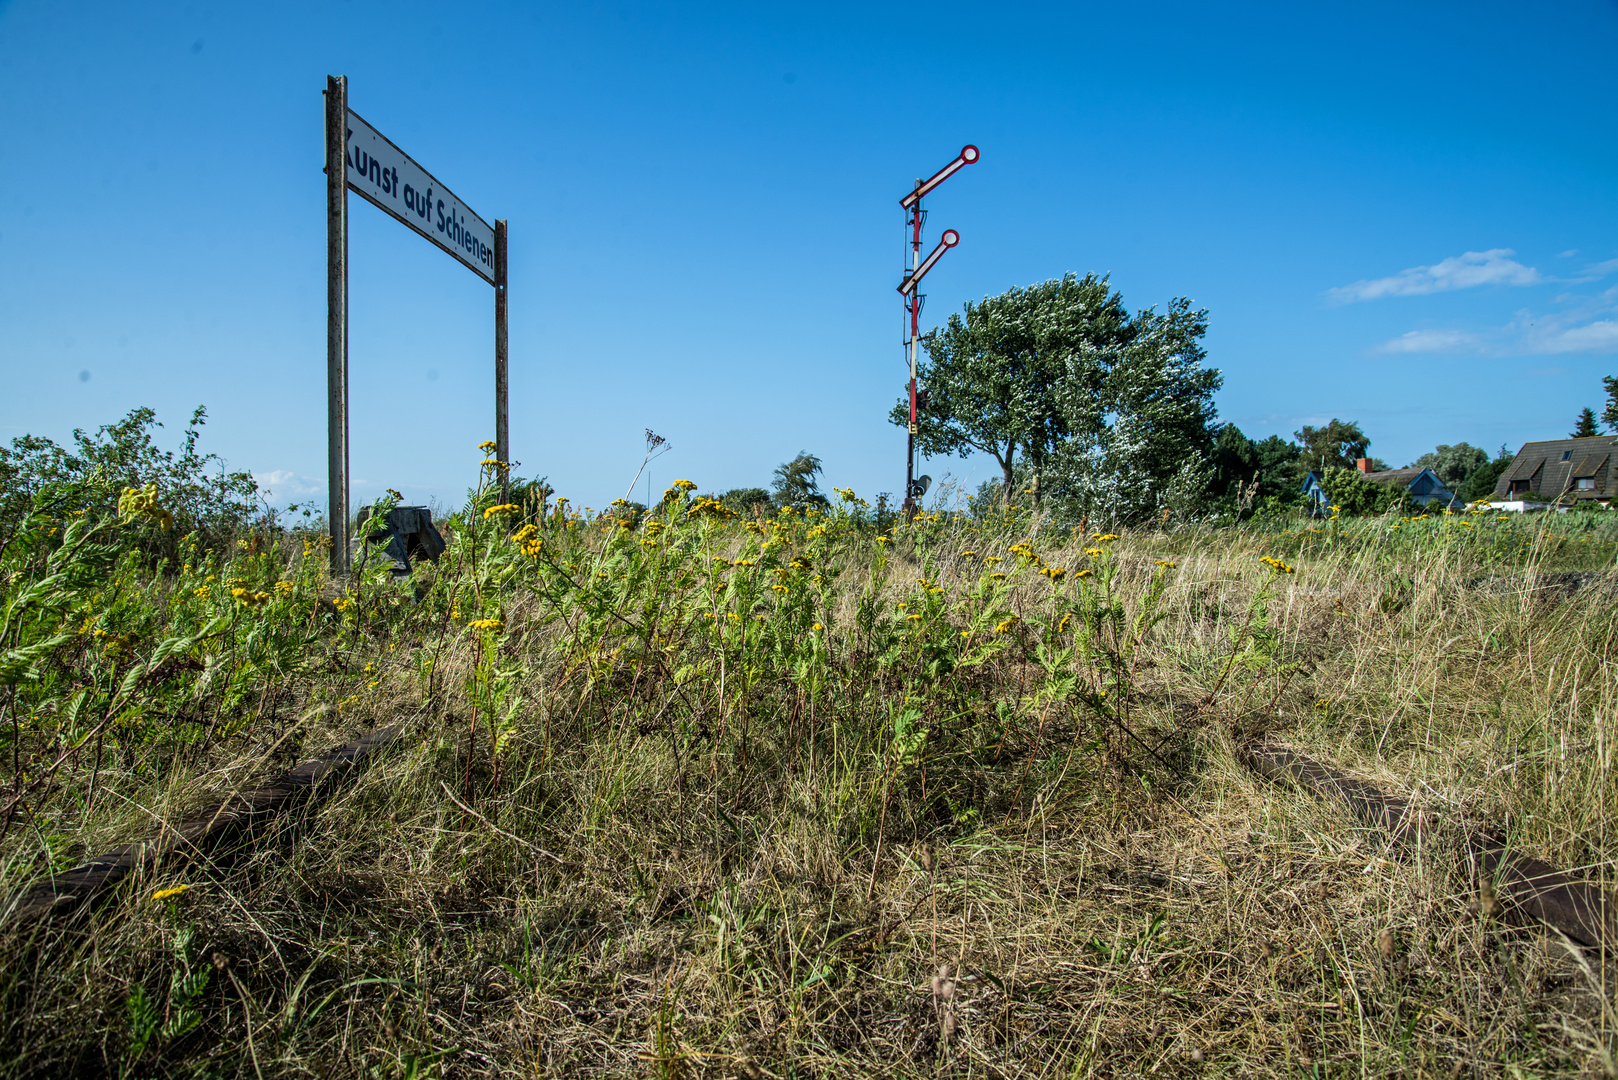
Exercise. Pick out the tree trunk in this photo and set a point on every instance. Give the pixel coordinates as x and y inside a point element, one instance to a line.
<point>1006,470</point>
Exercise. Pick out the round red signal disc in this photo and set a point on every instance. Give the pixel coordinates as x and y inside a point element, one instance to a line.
<point>969,153</point>
<point>951,238</point>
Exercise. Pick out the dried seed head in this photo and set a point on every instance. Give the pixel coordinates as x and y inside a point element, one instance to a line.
<point>1384,942</point>
<point>1196,1055</point>
<point>219,961</point>
<point>1488,906</point>
<point>1266,951</point>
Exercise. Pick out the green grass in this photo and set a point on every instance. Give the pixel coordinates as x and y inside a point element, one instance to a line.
<point>709,797</point>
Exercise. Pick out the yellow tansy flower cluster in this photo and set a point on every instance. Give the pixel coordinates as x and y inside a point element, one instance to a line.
<point>142,502</point>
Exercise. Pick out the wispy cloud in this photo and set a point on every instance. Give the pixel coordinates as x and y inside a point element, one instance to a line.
<point>1591,326</point>
<point>1430,341</point>
<point>283,484</point>
<point>1467,271</point>
<point>1596,270</point>
<point>1600,336</point>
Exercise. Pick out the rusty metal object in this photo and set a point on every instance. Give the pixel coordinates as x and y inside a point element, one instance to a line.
<point>212,832</point>
<point>1531,891</point>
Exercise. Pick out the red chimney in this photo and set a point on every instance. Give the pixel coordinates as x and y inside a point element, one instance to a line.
<point>1363,464</point>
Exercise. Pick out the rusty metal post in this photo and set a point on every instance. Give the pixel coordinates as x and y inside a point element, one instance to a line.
<point>337,319</point>
<point>502,430</point>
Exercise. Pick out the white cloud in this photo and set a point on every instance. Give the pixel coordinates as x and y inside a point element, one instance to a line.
<point>1600,336</point>
<point>1568,254</point>
<point>1474,268</point>
<point>283,484</point>
<point>1429,341</point>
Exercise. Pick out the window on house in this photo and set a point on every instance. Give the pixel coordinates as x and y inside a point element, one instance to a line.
<point>1566,454</point>
<point>1519,487</point>
<point>1585,483</point>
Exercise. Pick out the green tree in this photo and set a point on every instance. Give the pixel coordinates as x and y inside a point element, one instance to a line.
<point>796,484</point>
<point>1453,464</point>
<point>1336,445</point>
<point>1278,467</point>
<point>1609,415</point>
<point>1481,483</point>
<point>1142,441</point>
<point>992,376</point>
<point>1235,462</point>
<point>1585,426</point>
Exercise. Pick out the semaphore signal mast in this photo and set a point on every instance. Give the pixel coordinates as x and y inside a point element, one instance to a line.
<point>914,217</point>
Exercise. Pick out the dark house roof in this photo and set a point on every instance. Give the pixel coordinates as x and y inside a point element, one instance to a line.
<point>1554,467</point>
<point>1423,484</point>
<point>1394,476</point>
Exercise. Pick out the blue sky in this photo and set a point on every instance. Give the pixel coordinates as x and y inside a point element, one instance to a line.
<point>1402,214</point>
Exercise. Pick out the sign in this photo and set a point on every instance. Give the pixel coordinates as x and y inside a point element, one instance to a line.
<point>949,240</point>
<point>385,175</point>
<point>967,156</point>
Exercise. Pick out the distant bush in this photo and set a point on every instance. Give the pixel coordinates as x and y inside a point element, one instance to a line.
<point>1352,493</point>
<point>743,500</point>
<point>199,492</point>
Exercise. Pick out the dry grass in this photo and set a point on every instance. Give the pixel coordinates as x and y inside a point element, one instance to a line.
<point>658,887</point>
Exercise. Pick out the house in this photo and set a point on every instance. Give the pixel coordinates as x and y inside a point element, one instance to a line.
<point>1423,485</point>
<point>1562,471</point>
<point>1313,492</point>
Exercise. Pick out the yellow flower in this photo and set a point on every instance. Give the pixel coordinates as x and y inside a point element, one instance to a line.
<point>487,624</point>
<point>883,540</point>
<point>997,577</point>
<point>501,508</point>
<point>912,618</point>
<point>1169,563</point>
<point>1005,626</point>
<point>284,586</point>
<point>683,485</point>
<point>1094,553</point>
<point>488,446</point>
<point>968,554</point>
<point>817,627</point>
<point>164,894</point>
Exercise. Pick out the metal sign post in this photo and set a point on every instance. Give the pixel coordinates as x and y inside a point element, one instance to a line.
<point>337,323</point>
<point>914,216</point>
<point>360,159</point>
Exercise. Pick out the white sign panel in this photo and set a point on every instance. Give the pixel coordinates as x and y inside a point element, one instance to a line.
<point>382,173</point>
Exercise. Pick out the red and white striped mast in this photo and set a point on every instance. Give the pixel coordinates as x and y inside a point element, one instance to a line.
<point>913,298</point>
